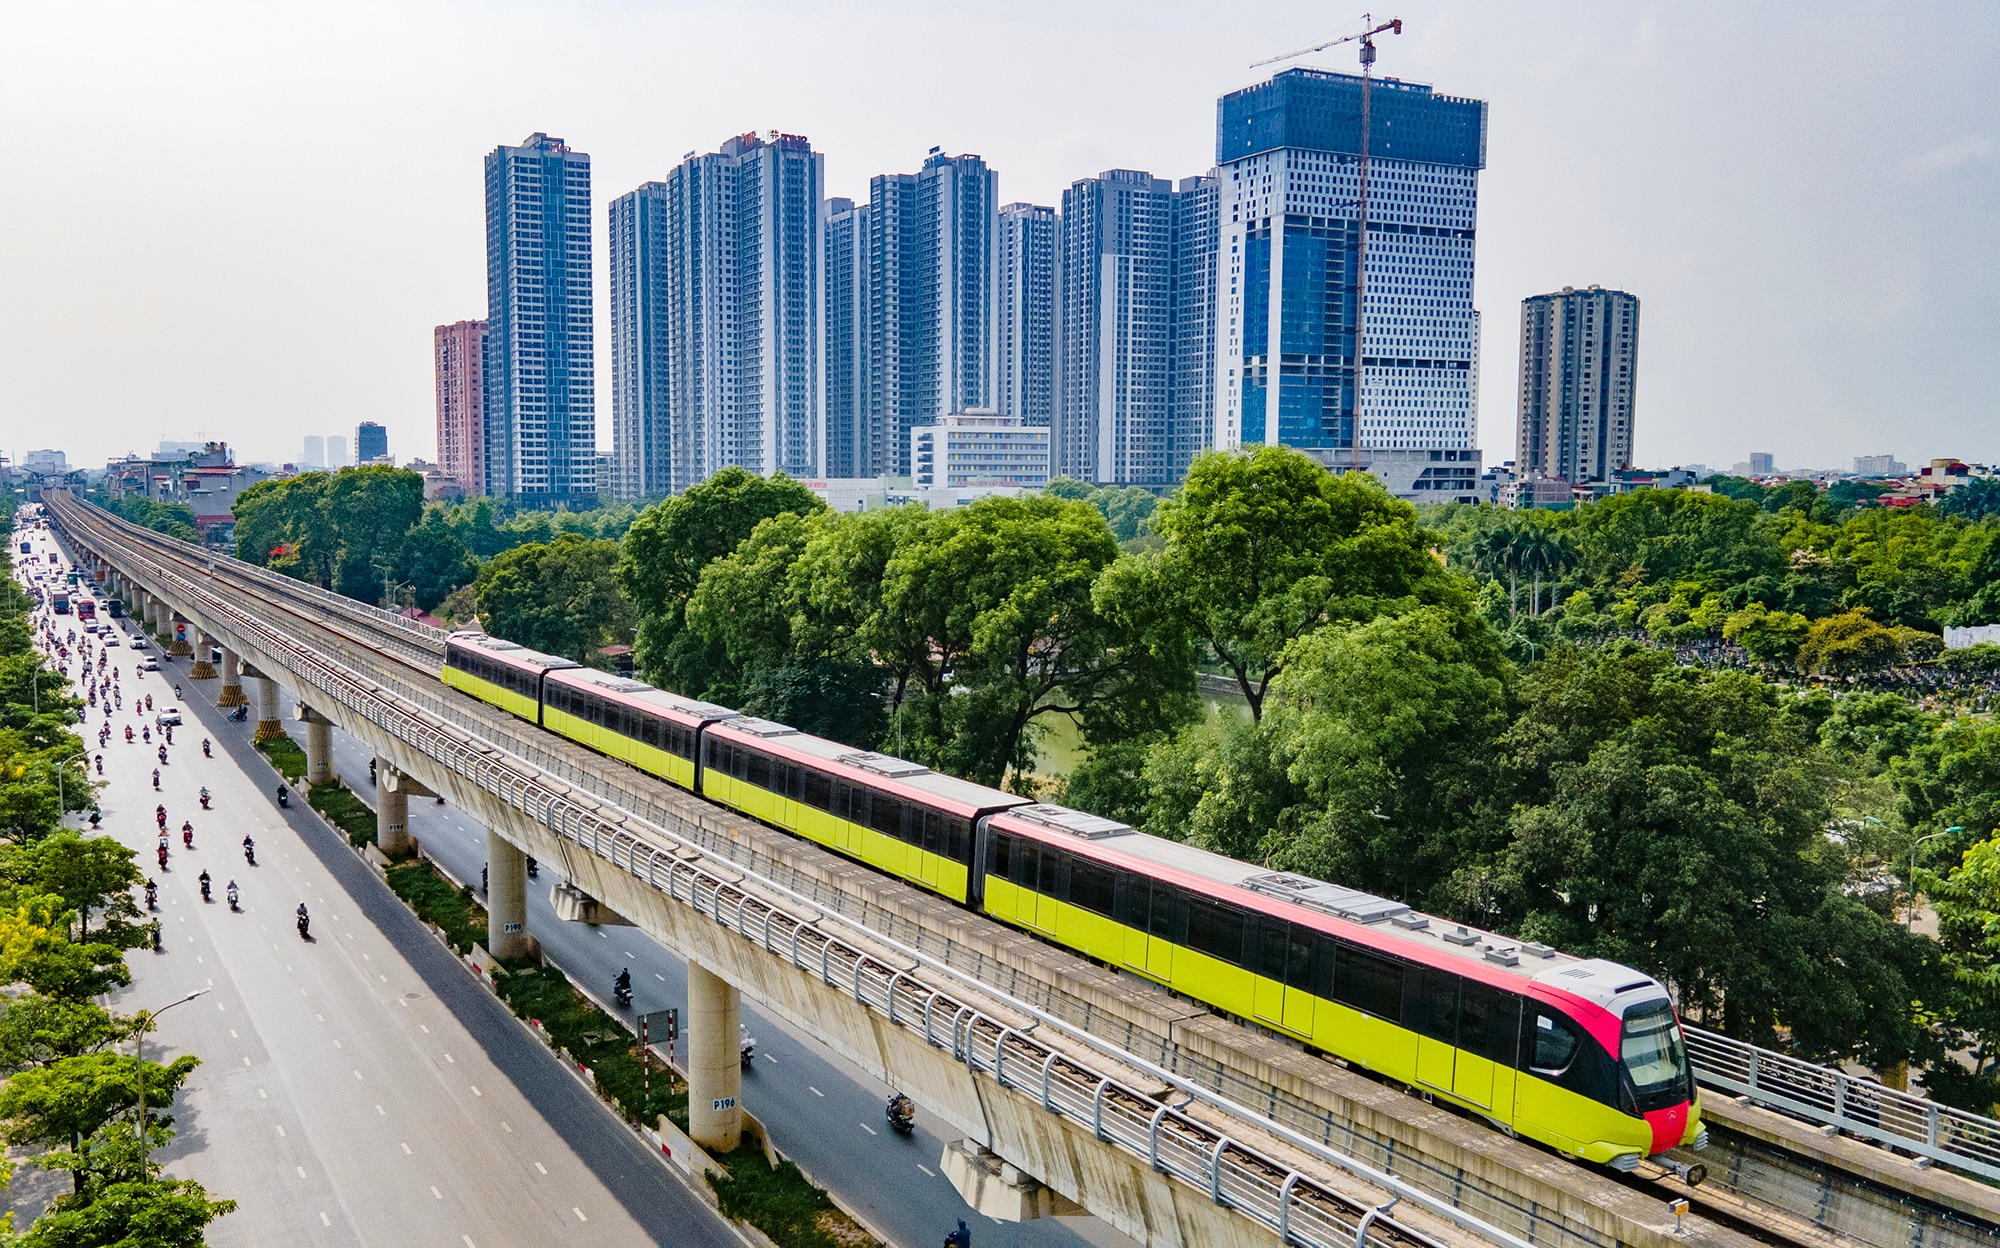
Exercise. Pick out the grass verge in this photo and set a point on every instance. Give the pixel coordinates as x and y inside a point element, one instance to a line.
<point>435,899</point>
<point>781,1202</point>
<point>286,756</point>
<point>348,812</point>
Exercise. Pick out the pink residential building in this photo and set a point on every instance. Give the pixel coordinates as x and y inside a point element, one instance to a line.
<point>461,415</point>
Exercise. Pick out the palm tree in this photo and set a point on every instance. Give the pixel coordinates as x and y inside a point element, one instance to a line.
<point>1541,550</point>
<point>1494,550</point>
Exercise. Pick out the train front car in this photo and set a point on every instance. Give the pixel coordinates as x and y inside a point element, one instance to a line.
<point>1582,1055</point>
<point>1614,1082</point>
<point>500,672</point>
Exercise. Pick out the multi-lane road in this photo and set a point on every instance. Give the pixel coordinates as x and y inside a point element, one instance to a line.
<point>359,1088</point>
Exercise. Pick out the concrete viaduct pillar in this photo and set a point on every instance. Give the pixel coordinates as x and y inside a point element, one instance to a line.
<point>393,791</point>
<point>506,898</point>
<point>202,669</point>
<point>715,1061</point>
<point>179,628</point>
<point>232,680</point>
<point>269,726</point>
<point>319,746</point>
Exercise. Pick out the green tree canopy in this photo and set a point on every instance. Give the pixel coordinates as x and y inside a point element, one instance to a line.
<point>668,545</point>
<point>1264,547</point>
<point>559,597</point>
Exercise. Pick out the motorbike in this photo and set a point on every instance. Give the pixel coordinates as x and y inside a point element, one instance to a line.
<point>533,870</point>
<point>249,852</point>
<point>305,926</point>
<point>901,1113</point>
<point>156,935</point>
<point>284,797</point>
<point>152,895</point>
<point>163,756</point>
<point>206,752</point>
<point>96,817</point>
<point>746,1047</point>
<point>187,838</point>
<point>204,799</point>
<point>621,990</point>
<point>156,778</point>
<point>204,886</point>
<point>240,714</point>
<point>232,895</point>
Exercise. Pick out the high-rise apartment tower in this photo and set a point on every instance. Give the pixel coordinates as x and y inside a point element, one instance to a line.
<point>641,323</point>
<point>460,351</point>
<point>1579,376</point>
<point>541,418</point>
<point>1286,313</point>
<point>1028,286</point>
<point>743,281</point>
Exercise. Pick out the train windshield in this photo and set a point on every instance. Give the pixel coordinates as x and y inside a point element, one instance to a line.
<point>1652,1050</point>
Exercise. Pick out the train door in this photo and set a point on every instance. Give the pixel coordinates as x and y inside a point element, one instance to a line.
<point>1481,1024</point>
<point>1436,1025</point>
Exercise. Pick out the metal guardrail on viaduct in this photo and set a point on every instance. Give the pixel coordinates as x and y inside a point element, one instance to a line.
<point>934,1002</point>
<point>1167,1137</point>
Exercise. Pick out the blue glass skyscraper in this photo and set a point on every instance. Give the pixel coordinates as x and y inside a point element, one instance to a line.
<point>541,416</point>
<point>1289,259</point>
<point>641,316</point>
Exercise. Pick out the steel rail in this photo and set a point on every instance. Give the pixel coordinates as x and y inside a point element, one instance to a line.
<point>1236,1175</point>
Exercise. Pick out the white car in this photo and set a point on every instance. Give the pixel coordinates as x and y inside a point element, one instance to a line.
<point>139,642</point>
<point>110,639</point>
<point>149,664</point>
<point>171,715</point>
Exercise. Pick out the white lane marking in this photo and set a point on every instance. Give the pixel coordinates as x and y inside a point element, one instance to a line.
<point>198,957</point>
<point>475,1089</point>
<point>211,983</point>
<point>770,1059</point>
<point>220,1006</point>
<point>263,1095</point>
<point>350,935</point>
<point>579,1214</point>
<point>424,1029</point>
<point>320,1017</point>
<point>246,1061</point>
<point>660,977</point>
<point>337,1044</point>
<point>323,1219</point>
<point>383,978</point>
<point>926,1169</point>
<point>865,1127</point>
<point>403,1003</point>
<point>504,1127</point>
<point>435,1192</point>
<point>357,1074</point>
<point>232,1033</point>
<point>814,1091</point>
<point>281,1133</point>
<point>630,954</point>
<point>381,1111</point>
<point>406,1150</point>
<point>468,1241</point>
<point>541,1167</point>
<point>301,1170</point>
<point>365,958</point>
<point>288,969</point>
<point>604,936</point>
<point>448,1057</point>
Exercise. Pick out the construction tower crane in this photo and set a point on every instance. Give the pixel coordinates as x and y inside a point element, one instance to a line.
<point>1366,37</point>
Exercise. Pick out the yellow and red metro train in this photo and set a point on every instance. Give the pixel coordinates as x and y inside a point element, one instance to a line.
<point>1584,1055</point>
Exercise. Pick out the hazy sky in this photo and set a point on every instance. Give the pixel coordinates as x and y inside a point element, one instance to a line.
<point>242,220</point>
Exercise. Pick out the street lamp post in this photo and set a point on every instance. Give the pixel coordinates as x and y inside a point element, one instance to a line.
<point>145,1019</point>
<point>62,804</point>
<point>1910,915</point>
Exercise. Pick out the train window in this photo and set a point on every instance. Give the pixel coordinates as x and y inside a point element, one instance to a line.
<point>1130,899</point>
<point>1477,1004</point>
<point>1326,955</point>
<point>1302,942</point>
<point>958,839</point>
<point>817,791</point>
<point>1503,1027</point>
<point>1268,946</point>
<point>1169,919</point>
<point>1091,886</point>
<point>1556,1043</point>
<point>756,767</point>
<point>1027,863</point>
<point>999,853</point>
<point>1370,983</point>
<point>1216,929</point>
<point>885,815</point>
<point>934,836</point>
<point>1430,1003</point>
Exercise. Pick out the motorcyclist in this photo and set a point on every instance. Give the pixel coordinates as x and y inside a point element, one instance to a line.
<point>128,734</point>
<point>231,890</point>
<point>187,834</point>
<point>163,857</point>
<point>156,777</point>
<point>100,764</point>
<point>305,920</point>
<point>152,892</point>
<point>204,797</point>
<point>284,795</point>
<point>206,752</point>
<point>146,734</point>
<point>163,756</point>
<point>203,877</point>
<point>250,851</point>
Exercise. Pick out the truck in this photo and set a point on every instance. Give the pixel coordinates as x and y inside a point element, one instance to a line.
<point>61,601</point>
